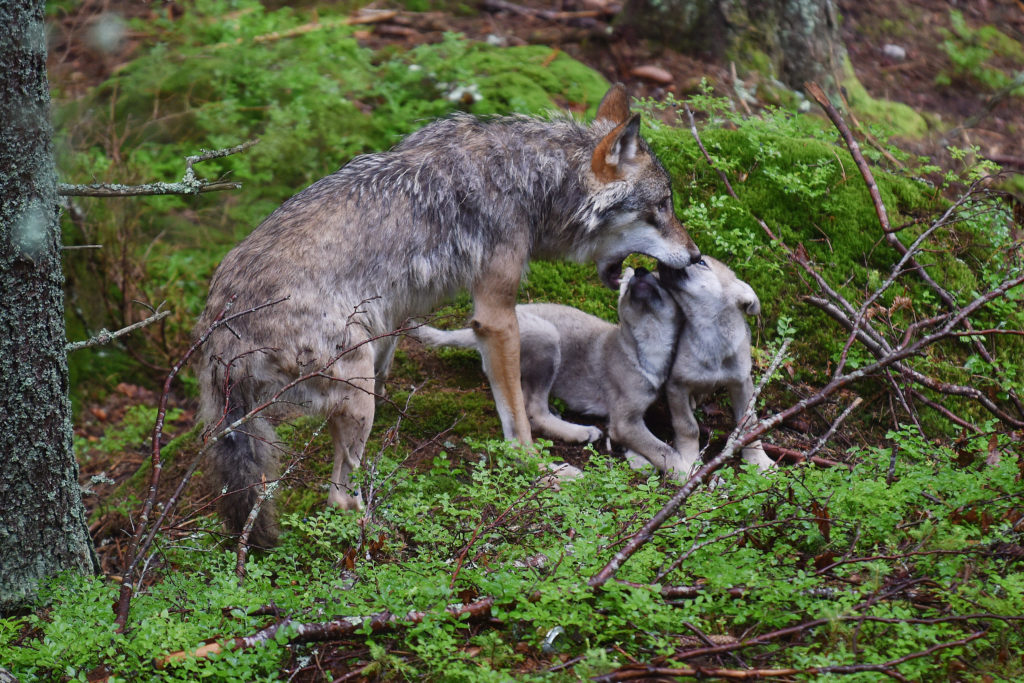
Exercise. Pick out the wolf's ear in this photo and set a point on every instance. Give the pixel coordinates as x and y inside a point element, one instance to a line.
<point>746,298</point>
<point>614,105</point>
<point>616,150</point>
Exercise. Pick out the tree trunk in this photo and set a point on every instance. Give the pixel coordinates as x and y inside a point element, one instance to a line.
<point>42,518</point>
<point>796,40</point>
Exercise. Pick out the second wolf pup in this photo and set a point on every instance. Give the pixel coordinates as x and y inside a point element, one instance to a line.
<point>596,368</point>
<point>713,349</point>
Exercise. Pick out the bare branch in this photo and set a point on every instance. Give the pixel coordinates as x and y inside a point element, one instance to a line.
<point>105,337</point>
<point>189,183</point>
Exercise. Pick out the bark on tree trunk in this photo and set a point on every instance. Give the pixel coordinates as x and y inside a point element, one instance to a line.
<point>796,39</point>
<point>42,519</point>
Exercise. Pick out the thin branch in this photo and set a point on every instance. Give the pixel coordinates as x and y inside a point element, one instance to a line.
<point>140,542</point>
<point>189,183</point>
<point>105,336</point>
<point>832,428</point>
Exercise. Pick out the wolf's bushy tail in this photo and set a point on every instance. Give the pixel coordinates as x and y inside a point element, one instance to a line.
<point>243,464</point>
<point>431,336</point>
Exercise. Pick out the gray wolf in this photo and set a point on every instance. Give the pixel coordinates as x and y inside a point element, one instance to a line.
<point>595,367</point>
<point>462,204</point>
<point>712,352</point>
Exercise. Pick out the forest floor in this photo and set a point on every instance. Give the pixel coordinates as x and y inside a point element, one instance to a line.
<point>917,28</point>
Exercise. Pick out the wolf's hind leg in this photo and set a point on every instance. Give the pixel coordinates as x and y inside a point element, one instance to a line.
<point>349,423</point>
<point>541,359</point>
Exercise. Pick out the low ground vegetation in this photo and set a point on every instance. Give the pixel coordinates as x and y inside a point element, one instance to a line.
<point>896,553</point>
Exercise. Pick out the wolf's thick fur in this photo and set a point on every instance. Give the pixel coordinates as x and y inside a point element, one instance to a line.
<point>461,204</point>
<point>713,350</point>
<point>596,368</point>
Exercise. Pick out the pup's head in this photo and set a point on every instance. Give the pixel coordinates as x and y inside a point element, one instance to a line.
<point>707,288</point>
<point>645,302</point>
<point>630,207</point>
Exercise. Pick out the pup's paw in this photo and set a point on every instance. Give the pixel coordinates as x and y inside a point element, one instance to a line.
<point>557,473</point>
<point>593,434</point>
<point>637,461</point>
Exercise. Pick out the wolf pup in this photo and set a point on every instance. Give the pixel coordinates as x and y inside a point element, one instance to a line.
<point>463,203</point>
<point>713,350</point>
<point>599,369</point>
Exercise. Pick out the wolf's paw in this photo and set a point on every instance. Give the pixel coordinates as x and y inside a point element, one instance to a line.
<point>757,456</point>
<point>593,434</point>
<point>343,500</point>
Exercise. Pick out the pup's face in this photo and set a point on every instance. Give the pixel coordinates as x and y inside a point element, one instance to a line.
<point>707,287</point>
<point>644,301</point>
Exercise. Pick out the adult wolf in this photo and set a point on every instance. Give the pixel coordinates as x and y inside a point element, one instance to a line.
<point>463,203</point>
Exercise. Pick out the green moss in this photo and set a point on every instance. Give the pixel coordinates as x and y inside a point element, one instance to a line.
<point>902,120</point>
<point>314,100</point>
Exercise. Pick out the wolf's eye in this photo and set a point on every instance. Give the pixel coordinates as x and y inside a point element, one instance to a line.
<point>702,262</point>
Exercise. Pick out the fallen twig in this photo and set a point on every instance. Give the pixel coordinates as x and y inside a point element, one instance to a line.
<point>299,632</point>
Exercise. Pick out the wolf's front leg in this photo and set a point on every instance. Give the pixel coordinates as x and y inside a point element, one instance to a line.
<point>684,424</point>
<point>740,395</point>
<point>629,430</point>
<point>497,329</point>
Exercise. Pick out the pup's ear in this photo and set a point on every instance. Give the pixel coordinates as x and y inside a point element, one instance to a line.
<point>746,298</point>
<point>616,150</point>
<point>614,105</point>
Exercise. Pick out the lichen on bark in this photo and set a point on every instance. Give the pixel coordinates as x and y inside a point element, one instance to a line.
<point>42,519</point>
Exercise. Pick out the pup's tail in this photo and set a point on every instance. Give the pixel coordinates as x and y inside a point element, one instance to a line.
<point>431,336</point>
<point>243,464</point>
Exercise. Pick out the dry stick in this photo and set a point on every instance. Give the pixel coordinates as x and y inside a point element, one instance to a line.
<point>647,531</point>
<point>633,673</point>
<point>335,629</point>
<point>777,452</point>
<point>267,493</point>
<point>883,218</point>
<point>832,429</point>
<point>189,183</point>
<point>105,336</point>
<point>948,331</point>
<point>949,415</point>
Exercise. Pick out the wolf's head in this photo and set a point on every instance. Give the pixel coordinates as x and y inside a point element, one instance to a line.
<point>707,288</point>
<point>630,206</point>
